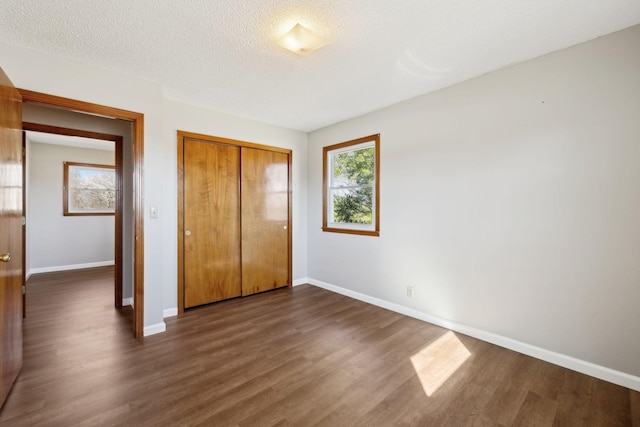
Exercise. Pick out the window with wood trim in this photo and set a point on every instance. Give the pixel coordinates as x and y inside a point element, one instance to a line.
<point>89,189</point>
<point>351,187</point>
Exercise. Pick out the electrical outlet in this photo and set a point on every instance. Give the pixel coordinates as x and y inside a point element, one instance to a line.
<point>410,291</point>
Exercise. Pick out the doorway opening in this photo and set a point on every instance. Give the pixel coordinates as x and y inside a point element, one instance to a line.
<point>137,156</point>
<point>83,238</point>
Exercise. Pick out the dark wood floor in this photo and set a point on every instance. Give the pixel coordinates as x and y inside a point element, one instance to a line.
<point>294,357</point>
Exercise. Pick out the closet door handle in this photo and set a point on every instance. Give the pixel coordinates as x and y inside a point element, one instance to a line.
<point>187,233</point>
<point>5,257</point>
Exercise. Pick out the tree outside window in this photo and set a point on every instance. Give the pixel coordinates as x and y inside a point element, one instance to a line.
<point>351,187</point>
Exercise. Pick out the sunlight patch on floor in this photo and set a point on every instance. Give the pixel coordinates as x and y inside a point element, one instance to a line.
<point>436,362</point>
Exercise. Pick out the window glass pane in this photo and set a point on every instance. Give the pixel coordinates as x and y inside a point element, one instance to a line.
<point>89,200</point>
<point>87,177</point>
<point>355,167</point>
<point>353,205</point>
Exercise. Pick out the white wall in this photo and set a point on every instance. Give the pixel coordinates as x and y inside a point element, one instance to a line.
<point>510,202</point>
<point>33,70</point>
<point>55,240</point>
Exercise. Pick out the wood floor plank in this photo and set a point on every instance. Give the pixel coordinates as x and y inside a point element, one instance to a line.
<point>290,357</point>
<point>634,403</point>
<point>536,411</point>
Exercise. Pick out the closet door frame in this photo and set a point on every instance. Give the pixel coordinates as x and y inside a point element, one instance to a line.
<point>183,136</point>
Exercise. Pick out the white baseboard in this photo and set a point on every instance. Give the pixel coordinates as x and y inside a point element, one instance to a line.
<point>302,281</point>
<point>69,267</point>
<point>157,328</point>
<point>588,368</point>
<point>170,312</point>
<point>173,311</point>
<point>127,301</point>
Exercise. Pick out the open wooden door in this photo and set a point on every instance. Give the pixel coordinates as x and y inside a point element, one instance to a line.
<point>10,234</point>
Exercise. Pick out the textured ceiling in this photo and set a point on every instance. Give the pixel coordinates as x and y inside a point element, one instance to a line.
<point>221,54</point>
<point>71,141</point>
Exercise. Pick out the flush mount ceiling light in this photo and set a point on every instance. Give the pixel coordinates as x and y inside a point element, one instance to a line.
<point>301,40</point>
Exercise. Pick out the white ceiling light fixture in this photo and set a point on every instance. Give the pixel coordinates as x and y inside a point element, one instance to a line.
<point>301,40</point>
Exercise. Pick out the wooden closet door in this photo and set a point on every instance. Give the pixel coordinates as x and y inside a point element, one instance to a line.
<point>211,222</point>
<point>265,220</point>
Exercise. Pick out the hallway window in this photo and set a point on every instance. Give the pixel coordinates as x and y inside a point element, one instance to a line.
<point>89,189</point>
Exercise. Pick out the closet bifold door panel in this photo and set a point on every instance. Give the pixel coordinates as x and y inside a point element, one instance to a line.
<point>234,219</point>
<point>212,263</point>
<point>265,220</point>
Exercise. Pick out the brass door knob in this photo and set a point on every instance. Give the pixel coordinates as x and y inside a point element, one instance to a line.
<point>5,257</point>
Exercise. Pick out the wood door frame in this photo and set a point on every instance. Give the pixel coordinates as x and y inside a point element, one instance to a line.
<point>24,224</point>
<point>182,135</point>
<point>117,140</point>
<point>137,120</point>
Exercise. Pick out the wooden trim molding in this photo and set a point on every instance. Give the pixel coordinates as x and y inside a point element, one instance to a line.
<point>290,217</point>
<point>24,224</point>
<point>180,236</point>
<point>237,143</point>
<point>137,120</point>
<point>58,130</point>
